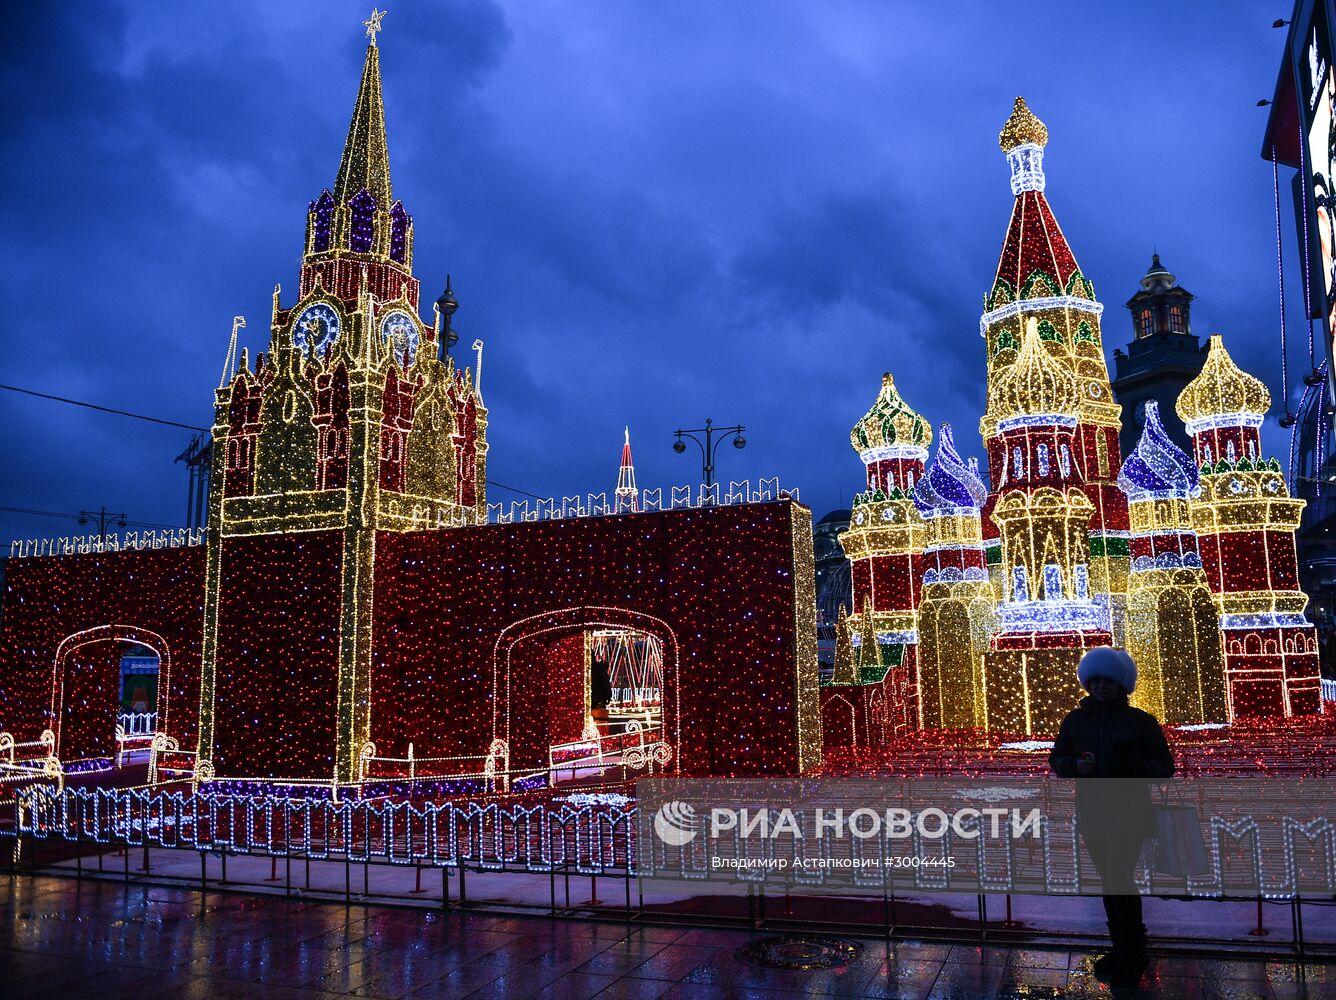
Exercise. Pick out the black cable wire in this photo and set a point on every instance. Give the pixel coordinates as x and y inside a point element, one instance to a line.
<point>189,427</point>
<point>503,486</point>
<point>55,513</point>
<point>104,409</point>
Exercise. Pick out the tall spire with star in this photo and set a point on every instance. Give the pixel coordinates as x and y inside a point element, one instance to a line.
<point>366,158</point>
<point>357,233</point>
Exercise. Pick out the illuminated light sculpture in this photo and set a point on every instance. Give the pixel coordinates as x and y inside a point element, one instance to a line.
<point>350,424</point>
<point>957,610</point>
<point>1047,616</point>
<point>627,497</point>
<point>884,544</point>
<point>1245,521</point>
<point>1039,279</point>
<point>352,618</point>
<point>1173,626</point>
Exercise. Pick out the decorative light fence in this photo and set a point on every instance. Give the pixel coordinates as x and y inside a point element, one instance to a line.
<point>595,838</point>
<point>590,505</point>
<point>595,834</point>
<point>558,843</point>
<point>136,725</point>
<point>168,538</point>
<point>679,497</point>
<point>1328,690</point>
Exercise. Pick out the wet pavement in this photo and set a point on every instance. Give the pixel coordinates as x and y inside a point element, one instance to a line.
<point>94,940</point>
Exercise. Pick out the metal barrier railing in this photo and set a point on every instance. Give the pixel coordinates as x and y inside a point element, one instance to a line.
<point>589,835</point>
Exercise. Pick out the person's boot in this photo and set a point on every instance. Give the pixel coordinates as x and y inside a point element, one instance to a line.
<point>1133,959</point>
<point>1105,965</point>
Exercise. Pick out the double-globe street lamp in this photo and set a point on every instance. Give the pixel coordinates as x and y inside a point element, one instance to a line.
<point>709,446</point>
<point>103,519</point>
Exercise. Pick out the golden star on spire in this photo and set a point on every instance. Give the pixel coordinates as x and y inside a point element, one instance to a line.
<point>372,23</point>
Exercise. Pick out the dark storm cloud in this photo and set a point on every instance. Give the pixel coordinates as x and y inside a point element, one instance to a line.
<point>652,213</point>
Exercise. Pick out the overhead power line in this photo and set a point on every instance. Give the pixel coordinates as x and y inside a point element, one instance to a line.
<point>174,423</point>
<point>104,409</point>
<point>74,517</point>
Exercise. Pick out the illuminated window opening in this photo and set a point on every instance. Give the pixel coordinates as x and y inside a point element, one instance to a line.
<point>1052,582</point>
<point>1020,587</point>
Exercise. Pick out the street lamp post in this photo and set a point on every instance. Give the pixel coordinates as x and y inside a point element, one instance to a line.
<point>709,446</point>
<point>103,519</point>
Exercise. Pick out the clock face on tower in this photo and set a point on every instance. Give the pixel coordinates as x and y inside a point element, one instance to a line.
<point>316,329</point>
<point>401,330</point>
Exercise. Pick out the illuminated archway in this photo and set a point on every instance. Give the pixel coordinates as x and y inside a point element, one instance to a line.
<point>561,621</point>
<point>102,634</point>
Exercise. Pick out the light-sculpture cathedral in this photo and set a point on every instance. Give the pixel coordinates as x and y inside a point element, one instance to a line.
<point>974,602</point>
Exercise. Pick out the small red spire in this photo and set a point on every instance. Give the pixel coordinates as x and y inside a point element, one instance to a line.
<point>627,498</point>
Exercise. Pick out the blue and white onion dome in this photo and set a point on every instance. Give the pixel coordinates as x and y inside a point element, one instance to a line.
<point>949,484</point>
<point>1158,469</point>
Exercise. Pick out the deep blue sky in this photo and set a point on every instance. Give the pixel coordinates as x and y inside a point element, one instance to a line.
<point>653,213</point>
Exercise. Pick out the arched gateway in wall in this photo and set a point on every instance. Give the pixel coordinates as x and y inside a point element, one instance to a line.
<point>554,710</point>
<point>91,730</point>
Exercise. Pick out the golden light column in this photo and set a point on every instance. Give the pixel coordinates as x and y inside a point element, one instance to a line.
<point>956,615</point>
<point>1173,626</point>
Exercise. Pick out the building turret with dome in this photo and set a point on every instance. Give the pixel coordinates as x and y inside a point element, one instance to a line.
<point>885,544</point>
<point>1245,520</point>
<point>1038,278</point>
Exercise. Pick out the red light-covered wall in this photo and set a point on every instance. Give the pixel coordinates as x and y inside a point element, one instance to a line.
<point>89,609</point>
<point>716,584</point>
<point>724,588</point>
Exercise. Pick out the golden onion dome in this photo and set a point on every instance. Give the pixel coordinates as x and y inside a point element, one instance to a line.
<point>890,422</point>
<point>1035,383</point>
<point>1022,128</point>
<point>1222,389</point>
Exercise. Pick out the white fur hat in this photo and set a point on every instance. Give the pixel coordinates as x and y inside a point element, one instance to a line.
<point>1105,661</point>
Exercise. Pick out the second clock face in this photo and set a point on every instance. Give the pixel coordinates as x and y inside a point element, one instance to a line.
<point>400,330</point>
<point>316,329</point>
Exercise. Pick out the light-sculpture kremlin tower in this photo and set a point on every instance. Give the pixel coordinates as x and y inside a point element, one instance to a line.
<point>349,425</point>
<point>626,498</point>
<point>1173,625</point>
<point>1245,521</point>
<point>885,543</point>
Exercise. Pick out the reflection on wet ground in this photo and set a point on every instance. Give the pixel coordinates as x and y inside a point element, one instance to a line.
<point>89,939</point>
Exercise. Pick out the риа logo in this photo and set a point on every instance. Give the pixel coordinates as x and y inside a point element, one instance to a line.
<point>675,823</point>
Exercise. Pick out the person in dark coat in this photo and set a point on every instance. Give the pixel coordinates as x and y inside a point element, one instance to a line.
<point>1105,737</point>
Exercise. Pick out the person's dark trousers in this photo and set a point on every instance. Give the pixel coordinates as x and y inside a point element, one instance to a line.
<point>1115,860</point>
